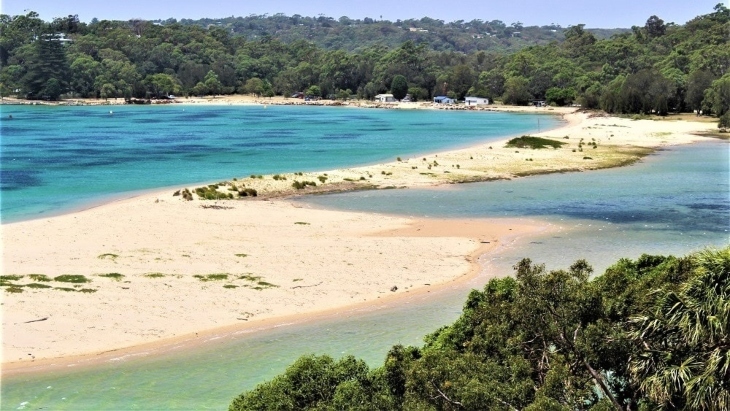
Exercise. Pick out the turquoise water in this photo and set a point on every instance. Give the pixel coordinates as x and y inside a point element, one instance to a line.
<point>674,202</point>
<point>59,158</point>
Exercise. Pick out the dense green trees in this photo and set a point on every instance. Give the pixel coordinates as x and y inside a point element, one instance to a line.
<point>647,334</point>
<point>399,87</point>
<point>656,68</point>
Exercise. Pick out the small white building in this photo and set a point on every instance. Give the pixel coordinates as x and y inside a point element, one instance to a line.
<point>443,100</point>
<point>476,101</point>
<point>385,98</point>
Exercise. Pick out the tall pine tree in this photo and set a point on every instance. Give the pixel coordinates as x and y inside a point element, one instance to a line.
<point>47,71</point>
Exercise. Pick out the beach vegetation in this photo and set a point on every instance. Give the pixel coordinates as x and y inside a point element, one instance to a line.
<point>241,255</point>
<point>301,223</point>
<point>187,195</point>
<point>230,286</point>
<point>211,192</point>
<point>300,185</point>
<point>249,277</point>
<point>248,192</point>
<point>71,278</point>
<point>362,178</point>
<point>39,277</point>
<point>113,276</point>
<point>649,333</point>
<point>108,256</point>
<point>14,289</point>
<point>534,143</point>
<point>212,277</point>
<point>37,285</point>
<point>65,289</point>
<point>322,179</point>
<point>10,277</point>
<point>155,275</point>
<point>87,290</point>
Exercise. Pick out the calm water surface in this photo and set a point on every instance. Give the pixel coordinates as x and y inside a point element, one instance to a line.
<point>58,158</point>
<point>673,202</point>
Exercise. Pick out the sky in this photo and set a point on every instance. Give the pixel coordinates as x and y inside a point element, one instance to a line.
<point>594,14</point>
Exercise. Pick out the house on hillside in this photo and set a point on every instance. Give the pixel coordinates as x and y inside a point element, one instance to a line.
<point>385,98</point>
<point>476,101</point>
<point>443,100</point>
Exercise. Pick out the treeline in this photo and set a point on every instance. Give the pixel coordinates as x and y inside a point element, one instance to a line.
<point>356,35</point>
<point>657,68</point>
<point>648,334</point>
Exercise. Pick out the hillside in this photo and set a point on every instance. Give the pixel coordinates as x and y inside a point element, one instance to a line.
<point>654,69</point>
<point>353,35</point>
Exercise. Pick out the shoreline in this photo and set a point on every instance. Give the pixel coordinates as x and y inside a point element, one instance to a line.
<point>650,137</point>
<point>193,340</point>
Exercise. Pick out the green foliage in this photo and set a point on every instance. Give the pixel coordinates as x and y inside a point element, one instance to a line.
<point>649,333</point>
<point>37,285</point>
<point>515,91</point>
<point>724,120</point>
<point>686,360</point>
<point>71,278</point>
<point>309,383</point>
<point>211,192</point>
<point>248,192</point>
<point>534,142</point>
<point>113,276</point>
<point>212,277</point>
<point>399,87</point>
<point>655,68</point>
<point>314,91</point>
<point>560,96</point>
<point>300,185</point>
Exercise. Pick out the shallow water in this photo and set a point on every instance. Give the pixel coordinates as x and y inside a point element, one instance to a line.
<point>59,158</point>
<point>674,201</point>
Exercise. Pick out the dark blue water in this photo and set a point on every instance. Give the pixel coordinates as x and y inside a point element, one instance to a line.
<point>57,158</point>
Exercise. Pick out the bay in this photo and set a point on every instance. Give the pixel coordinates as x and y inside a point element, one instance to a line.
<point>55,159</point>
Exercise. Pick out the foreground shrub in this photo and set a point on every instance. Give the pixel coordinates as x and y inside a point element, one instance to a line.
<point>647,334</point>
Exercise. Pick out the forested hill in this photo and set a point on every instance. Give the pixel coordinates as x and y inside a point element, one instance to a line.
<point>353,35</point>
<point>657,68</point>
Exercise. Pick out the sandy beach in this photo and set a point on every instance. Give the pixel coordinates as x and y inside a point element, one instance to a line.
<point>160,267</point>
